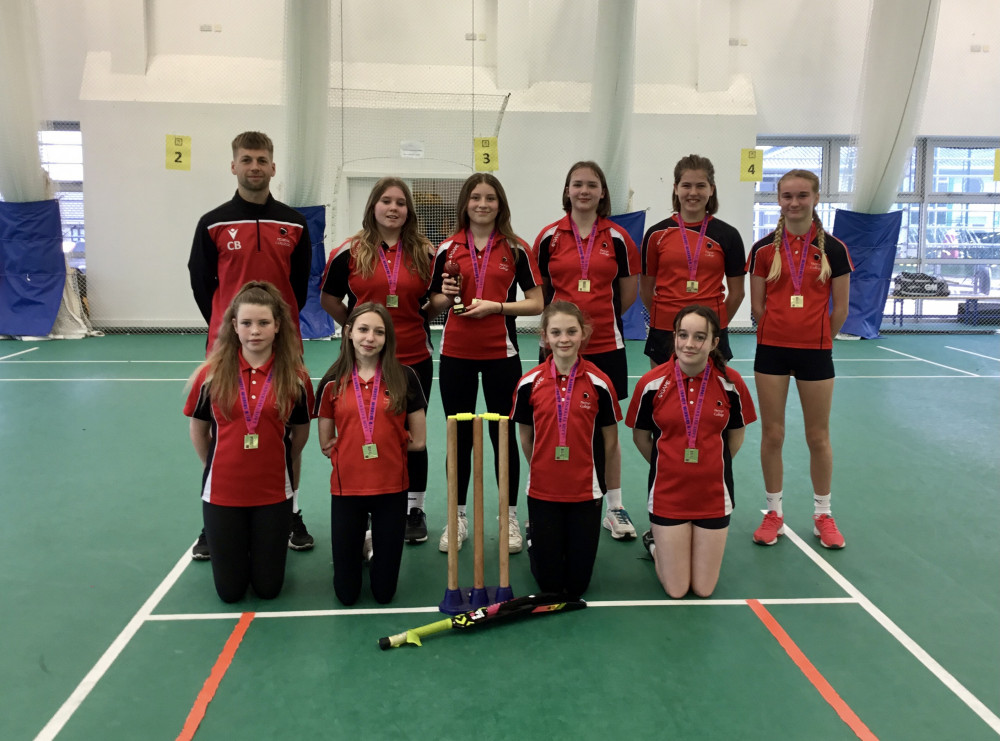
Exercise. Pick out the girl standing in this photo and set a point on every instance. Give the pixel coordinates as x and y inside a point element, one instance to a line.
<point>492,262</point>
<point>690,257</point>
<point>795,273</point>
<point>587,259</point>
<point>688,418</point>
<point>371,414</point>
<point>388,262</point>
<point>249,412</point>
<point>567,414</point>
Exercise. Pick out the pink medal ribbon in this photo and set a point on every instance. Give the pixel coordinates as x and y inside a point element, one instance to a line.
<point>691,424</point>
<point>692,260</point>
<point>563,404</point>
<point>392,300</point>
<point>479,273</point>
<point>796,272</point>
<point>584,283</point>
<point>369,450</point>
<point>250,440</point>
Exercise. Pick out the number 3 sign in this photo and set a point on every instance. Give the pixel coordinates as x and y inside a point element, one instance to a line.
<point>484,149</point>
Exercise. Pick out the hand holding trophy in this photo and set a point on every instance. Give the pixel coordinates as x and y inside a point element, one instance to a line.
<point>452,269</point>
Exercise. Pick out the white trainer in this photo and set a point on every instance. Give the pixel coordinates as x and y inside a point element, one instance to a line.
<point>463,534</point>
<point>620,524</point>
<point>514,540</point>
<point>366,549</point>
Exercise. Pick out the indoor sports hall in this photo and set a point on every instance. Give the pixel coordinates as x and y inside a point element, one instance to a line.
<point>111,630</point>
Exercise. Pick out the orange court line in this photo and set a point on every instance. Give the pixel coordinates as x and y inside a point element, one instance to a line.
<point>197,713</point>
<point>812,673</point>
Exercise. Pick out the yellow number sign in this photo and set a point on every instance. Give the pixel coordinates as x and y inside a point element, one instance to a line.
<point>751,165</point>
<point>178,152</point>
<point>996,164</point>
<point>484,149</point>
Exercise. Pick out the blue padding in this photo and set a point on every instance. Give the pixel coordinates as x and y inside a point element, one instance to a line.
<point>633,322</point>
<point>314,322</point>
<point>871,240</point>
<point>32,267</point>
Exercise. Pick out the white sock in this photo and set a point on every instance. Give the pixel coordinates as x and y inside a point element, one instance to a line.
<point>415,500</point>
<point>512,512</point>
<point>461,510</point>
<point>822,504</point>
<point>614,498</point>
<point>774,502</point>
<point>295,501</point>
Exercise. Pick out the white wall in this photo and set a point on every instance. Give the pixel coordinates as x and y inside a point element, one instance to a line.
<point>797,74</point>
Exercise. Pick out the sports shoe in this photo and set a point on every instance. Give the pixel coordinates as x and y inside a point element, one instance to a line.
<point>200,550</point>
<point>299,538</point>
<point>514,540</point>
<point>769,530</point>
<point>366,549</point>
<point>463,534</point>
<point>826,529</point>
<point>647,543</point>
<point>619,523</point>
<point>416,527</point>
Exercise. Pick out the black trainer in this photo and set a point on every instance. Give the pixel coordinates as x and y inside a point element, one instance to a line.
<point>299,538</point>
<point>647,541</point>
<point>200,550</point>
<point>416,527</point>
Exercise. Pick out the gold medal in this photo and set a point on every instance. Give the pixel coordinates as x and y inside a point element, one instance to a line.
<point>249,442</point>
<point>475,301</point>
<point>562,452</point>
<point>392,301</point>
<point>583,286</point>
<point>369,451</point>
<point>690,455</point>
<point>692,286</point>
<point>797,302</point>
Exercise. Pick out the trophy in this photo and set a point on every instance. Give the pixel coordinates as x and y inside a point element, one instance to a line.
<point>451,268</point>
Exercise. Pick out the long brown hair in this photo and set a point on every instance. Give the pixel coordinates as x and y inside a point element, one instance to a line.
<point>223,361</point>
<point>365,244</point>
<point>393,373</point>
<point>779,231</point>
<point>714,328</point>
<point>502,222</point>
<point>696,162</point>
<point>604,205</point>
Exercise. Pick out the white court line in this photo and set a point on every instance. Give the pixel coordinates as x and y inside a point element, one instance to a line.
<point>939,365</point>
<point>21,352</point>
<point>748,379</point>
<point>978,355</point>
<point>72,704</point>
<point>896,632</point>
<point>346,612</point>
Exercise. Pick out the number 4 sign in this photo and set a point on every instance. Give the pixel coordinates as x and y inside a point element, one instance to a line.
<point>484,150</point>
<point>751,165</point>
<point>178,152</point>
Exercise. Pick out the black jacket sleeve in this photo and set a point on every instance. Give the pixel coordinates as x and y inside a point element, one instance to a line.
<point>301,267</point>
<point>203,265</point>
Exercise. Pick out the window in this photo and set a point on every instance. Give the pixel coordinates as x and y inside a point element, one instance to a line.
<point>61,149</point>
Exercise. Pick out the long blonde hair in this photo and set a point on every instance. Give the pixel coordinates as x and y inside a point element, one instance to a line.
<point>393,372</point>
<point>223,361</point>
<point>779,231</point>
<point>365,244</point>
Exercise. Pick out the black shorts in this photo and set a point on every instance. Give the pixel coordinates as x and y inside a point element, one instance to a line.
<point>711,523</point>
<point>660,345</point>
<point>615,366</point>
<point>805,365</point>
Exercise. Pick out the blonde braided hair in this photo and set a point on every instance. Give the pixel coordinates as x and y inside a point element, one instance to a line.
<point>779,231</point>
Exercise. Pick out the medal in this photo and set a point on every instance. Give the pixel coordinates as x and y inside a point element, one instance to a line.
<point>392,301</point>
<point>797,302</point>
<point>690,455</point>
<point>475,301</point>
<point>795,272</point>
<point>370,451</point>
<point>562,408</point>
<point>691,422</point>
<point>692,257</point>
<point>479,272</point>
<point>391,276</point>
<point>692,286</point>
<point>562,452</point>
<point>583,285</point>
<point>251,440</point>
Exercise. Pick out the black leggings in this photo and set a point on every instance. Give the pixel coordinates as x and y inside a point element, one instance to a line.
<point>563,544</point>
<point>248,547</point>
<point>459,383</point>
<point>348,523</point>
<point>416,460</point>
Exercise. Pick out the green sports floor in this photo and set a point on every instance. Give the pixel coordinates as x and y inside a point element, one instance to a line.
<point>109,631</point>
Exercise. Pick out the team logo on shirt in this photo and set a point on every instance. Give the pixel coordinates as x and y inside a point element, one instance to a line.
<point>282,231</point>
<point>604,249</point>
<point>585,401</point>
<point>719,411</point>
<point>505,264</point>
<point>233,243</point>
